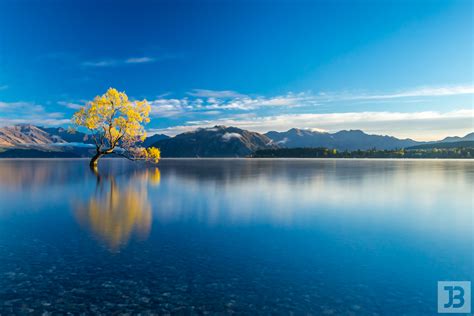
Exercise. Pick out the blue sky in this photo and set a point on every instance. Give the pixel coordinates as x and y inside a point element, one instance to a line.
<point>403,68</point>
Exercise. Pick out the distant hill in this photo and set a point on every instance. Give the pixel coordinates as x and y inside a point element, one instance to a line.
<point>445,145</point>
<point>31,135</point>
<point>468,137</point>
<point>153,139</point>
<point>300,138</point>
<point>218,141</point>
<point>26,134</point>
<point>62,133</point>
<point>343,140</point>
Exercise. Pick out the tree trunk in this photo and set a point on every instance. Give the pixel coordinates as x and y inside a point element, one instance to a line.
<point>95,160</point>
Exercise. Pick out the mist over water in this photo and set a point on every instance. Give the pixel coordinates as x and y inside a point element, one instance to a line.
<point>354,237</point>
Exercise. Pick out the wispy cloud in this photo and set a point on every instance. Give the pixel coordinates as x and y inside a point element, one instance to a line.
<point>228,136</point>
<point>228,100</point>
<point>222,94</point>
<point>39,121</point>
<point>428,92</point>
<point>3,87</point>
<point>139,60</point>
<point>20,107</point>
<point>12,113</point>
<point>408,93</point>
<point>289,100</point>
<point>169,107</point>
<point>100,63</point>
<point>70,105</point>
<point>118,62</point>
<point>210,104</point>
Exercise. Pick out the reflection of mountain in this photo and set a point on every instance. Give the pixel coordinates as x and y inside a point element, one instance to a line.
<point>35,153</point>
<point>294,191</point>
<point>116,213</point>
<point>27,175</point>
<point>248,172</point>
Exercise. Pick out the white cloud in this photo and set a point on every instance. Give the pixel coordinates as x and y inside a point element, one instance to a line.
<point>12,113</point>
<point>169,107</point>
<point>408,93</point>
<point>246,104</point>
<point>39,121</point>
<point>212,112</point>
<point>212,104</point>
<point>70,105</point>
<point>139,60</point>
<point>210,100</point>
<point>428,92</point>
<point>223,94</point>
<point>100,63</point>
<point>211,129</point>
<point>228,136</point>
<point>20,107</point>
<point>118,62</point>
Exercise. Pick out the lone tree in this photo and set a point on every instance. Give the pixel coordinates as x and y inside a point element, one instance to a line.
<point>116,126</point>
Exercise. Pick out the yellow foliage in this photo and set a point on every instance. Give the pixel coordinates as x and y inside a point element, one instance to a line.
<point>155,177</point>
<point>116,214</point>
<point>153,154</point>
<point>113,121</point>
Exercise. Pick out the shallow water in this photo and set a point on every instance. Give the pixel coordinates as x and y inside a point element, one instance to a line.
<point>351,237</point>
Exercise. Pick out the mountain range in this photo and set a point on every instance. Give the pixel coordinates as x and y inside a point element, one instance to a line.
<point>468,137</point>
<point>26,135</point>
<point>342,140</point>
<point>219,141</point>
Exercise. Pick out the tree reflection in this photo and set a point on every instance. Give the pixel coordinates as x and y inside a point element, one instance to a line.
<point>119,209</point>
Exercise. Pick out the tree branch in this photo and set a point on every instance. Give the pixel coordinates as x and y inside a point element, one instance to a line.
<point>125,156</point>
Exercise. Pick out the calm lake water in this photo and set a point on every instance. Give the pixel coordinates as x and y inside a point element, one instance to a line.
<point>331,237</point>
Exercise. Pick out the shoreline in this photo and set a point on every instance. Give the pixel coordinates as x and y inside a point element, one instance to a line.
<point>251,158</point>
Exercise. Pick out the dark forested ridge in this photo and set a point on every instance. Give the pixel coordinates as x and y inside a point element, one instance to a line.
<point>448,145</point>
<point>442,153</point>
